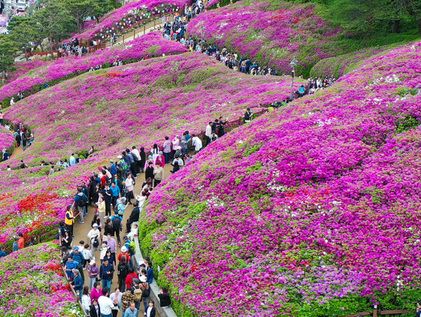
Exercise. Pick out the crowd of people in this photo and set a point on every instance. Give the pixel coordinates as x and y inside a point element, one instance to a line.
<point>91,263</point>
<point>23,137</point>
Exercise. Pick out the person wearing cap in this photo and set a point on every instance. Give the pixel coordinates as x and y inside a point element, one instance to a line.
<point>77,282</point>
<point>94,235</point>
<point>93,272</point>
<point>124,254</point>
<point>70,265</point>
<point>146,291</point>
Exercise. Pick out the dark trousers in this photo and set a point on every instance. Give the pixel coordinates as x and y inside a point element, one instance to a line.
<point>69,228</point>
<point>108,208</point>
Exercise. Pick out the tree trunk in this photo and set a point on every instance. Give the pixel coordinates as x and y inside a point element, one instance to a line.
<point>396,26</point>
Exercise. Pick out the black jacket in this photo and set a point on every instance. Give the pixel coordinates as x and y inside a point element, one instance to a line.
<point>93,313</point>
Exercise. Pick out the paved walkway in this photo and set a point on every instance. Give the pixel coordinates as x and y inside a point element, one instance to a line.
<point>81,229</point>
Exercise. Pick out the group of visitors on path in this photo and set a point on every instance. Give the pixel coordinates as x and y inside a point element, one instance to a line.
<point>22,135</point>
<point>91,264</point>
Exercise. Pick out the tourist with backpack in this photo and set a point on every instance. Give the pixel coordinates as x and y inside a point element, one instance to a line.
<point>122,271</point>
<point>81,202</point>
<point>94,236</point>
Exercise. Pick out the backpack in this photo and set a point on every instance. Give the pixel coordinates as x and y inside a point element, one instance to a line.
<point>123,269</point>
<point>137,294</point>
<point>146,291</point>
<point>116,223</point>
<point>95,243</point>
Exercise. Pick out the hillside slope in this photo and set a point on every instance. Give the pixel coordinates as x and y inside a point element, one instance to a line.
<point>136,104</point>
<point>311,211</point>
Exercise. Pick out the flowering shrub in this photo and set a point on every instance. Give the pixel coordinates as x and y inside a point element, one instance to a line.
<point>181,92</point>
<point>32,283</point>
<point>24,67</point>
<point>147,46</point>
<point>272,34</point>
<point>342,64</point>
<point>134,104</point>
<point>312,210</point>
<point>124,17</point>
<point>6,139</point>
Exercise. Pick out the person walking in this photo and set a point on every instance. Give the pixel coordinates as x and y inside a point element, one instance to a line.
<point>69,220</point>
<point>105,303</point>
<point>106,273</point>
<point>93,272</point>
<point>131,311</point>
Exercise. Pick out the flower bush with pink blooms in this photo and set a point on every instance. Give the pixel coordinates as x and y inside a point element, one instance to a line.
<point>312,210</point>
<point>7,140</point>
<point>270,33</point>
<point>135,104</point>
<point>130,15</point>
<point>32,283</point>
<point>146,46</point>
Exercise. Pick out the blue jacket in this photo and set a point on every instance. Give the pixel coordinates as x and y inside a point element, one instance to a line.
<point>113,169</point>
<point>115,191</point>
<point>130,313</point>
<point>78,281</point>
<point>149,275</point>
<point>69,267</point>
<point>104,270</point>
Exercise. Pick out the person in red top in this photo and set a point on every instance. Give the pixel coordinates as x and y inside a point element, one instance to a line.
<point>129,278</point>
<point>124,253</point>
<point>104,178</point>
<point>21,241</point>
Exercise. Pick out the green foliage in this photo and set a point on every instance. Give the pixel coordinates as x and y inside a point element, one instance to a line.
<point>256,167</point>
<point>407,123</point>
<point>363,17</point>
<point>403,91</point>
<point>8,48</point>
<point>252,149</point>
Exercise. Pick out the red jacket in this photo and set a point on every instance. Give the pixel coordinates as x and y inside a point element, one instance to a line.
<point>21,243</point>
<point>129,279</point>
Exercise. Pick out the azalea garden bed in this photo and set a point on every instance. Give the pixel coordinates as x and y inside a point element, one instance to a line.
<point>136,104</point>
<point>270,33</point>
<point>130,15</point>
<point>144,47</point>
<point>7,140</point>
<point>312,210</point>
<point>32,283</point>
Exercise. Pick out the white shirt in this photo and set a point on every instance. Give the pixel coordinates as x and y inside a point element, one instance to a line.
<point>72,160</point>
<point>86,302</point>
<point>208,132</point>
<point>136,153</point>
<point>93,233</point>
<point>129,184</point>
<point>197,143</point>
<point>105,305</point>
<point>176,144</point>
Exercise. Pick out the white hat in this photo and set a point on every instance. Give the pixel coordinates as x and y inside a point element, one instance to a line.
<point>123,248</point>
<point>92,262</point>
<point>95,225</point>
<point>142,278</point>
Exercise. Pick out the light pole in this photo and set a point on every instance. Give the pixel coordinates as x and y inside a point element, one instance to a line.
<point>293,64</point>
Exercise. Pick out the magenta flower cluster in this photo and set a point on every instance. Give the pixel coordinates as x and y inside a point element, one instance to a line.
<point>315,202</point>
<point>121,16</point>
<point>33,284</point>
<point>135,104</point>
<point>271,34</point>
<point>6,139</point>
<point>143,47</point>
